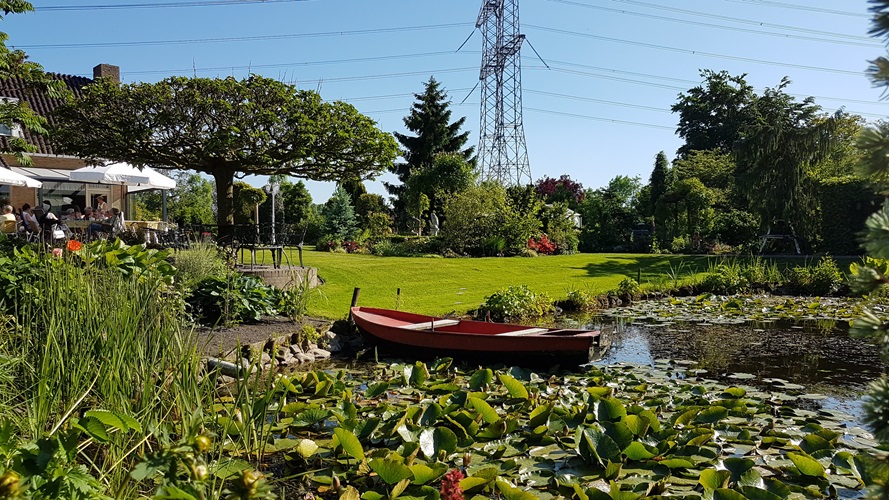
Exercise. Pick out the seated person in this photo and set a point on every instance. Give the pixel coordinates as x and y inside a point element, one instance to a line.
<point>114,225</point>
<point>8,220</point>
<point>29,222</point>
<point>68,215</point>
<point>7,213</point>
<point>88,214</point>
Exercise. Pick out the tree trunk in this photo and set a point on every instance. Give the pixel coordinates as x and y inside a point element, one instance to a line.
<point>225,205</point>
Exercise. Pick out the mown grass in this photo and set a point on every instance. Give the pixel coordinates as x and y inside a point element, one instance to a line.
<point>435,285</point>
<point>438,286</point>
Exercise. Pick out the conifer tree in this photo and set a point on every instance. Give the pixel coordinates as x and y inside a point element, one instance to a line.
<point>434,133</point>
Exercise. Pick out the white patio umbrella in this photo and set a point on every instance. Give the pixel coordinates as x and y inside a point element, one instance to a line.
<point>10,178</point>
<point>121,174</point>
<point>157,180</point>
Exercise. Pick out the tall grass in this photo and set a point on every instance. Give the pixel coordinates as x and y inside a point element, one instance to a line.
<point>95,339</point>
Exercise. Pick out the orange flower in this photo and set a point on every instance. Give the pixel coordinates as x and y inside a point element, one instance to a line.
<point>74,245</point>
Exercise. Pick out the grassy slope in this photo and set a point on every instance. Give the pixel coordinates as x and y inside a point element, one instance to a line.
<point>439,286</point>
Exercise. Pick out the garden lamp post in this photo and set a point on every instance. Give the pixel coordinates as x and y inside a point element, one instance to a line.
<point>272,189</point>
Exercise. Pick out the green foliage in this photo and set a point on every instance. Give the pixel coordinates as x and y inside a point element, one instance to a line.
<point>558,224</point>
<point>610,214</point>
<point>628,290</point>
<point>430,121</point>
<point>483,219</point>
<point>196,263</point>
<point>725,278</point>
<point>846,202</point>
<point>245,199</point>
<point>190,203</point>
<point>230,299</point>
<point>515,303</point>
<point>824,278</point>
<point>17,113</point>
<point>658,182</point>
<point>339,216</point>
<point>222,127</point>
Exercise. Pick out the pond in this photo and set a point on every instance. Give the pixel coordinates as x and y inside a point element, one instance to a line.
<point>815,361</point>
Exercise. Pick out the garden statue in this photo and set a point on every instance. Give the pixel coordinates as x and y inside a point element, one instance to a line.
<point>433,224</point>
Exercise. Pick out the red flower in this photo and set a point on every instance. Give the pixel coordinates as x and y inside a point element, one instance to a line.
<point>450,486</point>
<point>74,245</point>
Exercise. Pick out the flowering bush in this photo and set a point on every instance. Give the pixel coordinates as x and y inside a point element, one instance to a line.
<point>515,302</point>
<point>351,246</point>
<point>542,245</point>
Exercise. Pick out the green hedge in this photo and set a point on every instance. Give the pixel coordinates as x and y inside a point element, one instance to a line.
<point>846,202</point>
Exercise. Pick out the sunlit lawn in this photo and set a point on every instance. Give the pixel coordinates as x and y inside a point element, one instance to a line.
<point>438,286</point>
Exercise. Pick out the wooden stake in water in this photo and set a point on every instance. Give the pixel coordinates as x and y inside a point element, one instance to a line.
<point>355,293</point>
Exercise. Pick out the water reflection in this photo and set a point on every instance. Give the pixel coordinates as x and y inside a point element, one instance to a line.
<point>821,356</point>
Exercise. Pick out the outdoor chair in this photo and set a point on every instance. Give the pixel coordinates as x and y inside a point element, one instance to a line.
<point>10,228</point>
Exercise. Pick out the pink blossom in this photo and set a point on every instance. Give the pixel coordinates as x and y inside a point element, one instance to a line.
<point>57,252</point>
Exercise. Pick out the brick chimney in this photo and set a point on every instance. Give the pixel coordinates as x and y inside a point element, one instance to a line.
<point>107,71</point>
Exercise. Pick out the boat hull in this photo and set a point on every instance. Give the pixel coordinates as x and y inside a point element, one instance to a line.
<point>419,336</point>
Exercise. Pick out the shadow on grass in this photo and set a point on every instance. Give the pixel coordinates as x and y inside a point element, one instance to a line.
<point>649,266</point>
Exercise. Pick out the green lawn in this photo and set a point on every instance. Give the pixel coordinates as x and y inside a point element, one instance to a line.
<point>438,286</point>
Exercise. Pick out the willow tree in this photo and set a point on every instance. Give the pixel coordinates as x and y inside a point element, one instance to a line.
<point>224,128</point>
<point>778,146</point>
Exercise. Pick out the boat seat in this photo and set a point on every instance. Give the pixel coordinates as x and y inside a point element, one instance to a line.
<point>429,324</point>
<point>528,331</point>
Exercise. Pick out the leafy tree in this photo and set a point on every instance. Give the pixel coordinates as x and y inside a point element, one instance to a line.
<point>223,127</point>
<point>430,122</point>
<point>844,155</point>
<point>355,188</point>
<point>14,64</point>
<point>712,114</point>
<point>610,214</point>
<point>659,181</point>
<point>339,216</point>
<point>563,189</point>
<point>368,205</point>
<point>775,152</point>
<point>482,221</point>
<point>558,224</point>
<point>448,173</point>
<point>191,202</point>
<point>687,210</point>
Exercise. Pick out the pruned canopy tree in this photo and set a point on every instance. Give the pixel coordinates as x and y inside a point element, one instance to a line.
<point>224,128</point>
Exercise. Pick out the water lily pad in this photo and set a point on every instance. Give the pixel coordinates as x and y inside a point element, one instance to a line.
<point>807,465</point>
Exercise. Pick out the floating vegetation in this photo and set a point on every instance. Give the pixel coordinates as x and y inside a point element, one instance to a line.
<point>734,309</point>
<point>619,432</point>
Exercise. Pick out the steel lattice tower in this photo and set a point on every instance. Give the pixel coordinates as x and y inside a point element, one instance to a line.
<point>503,155</point>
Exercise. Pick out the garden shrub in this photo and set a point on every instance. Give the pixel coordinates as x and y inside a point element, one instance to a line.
<point>542,245</point>
<point>515,303</point>
<point>580,300</point>
<point>726,278</point>
<point>680,244</point>
<point>628,290</point>
<point>824,278</point>
<point>846,202</point>
<point>233,299</point>
<point>196,263</point>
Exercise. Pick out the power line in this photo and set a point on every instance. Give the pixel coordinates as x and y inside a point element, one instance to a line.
<point>852,40</point>
<point>794,6</point>
<point>695,52</point>
<point>147,43</point>
<point>294,64</point>
<point>600,119</point>
<point>159,5</point>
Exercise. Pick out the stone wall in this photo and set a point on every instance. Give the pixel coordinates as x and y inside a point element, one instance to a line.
<point>283,277</point>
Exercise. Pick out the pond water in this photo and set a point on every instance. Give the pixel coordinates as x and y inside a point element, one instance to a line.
<point>815,360</point>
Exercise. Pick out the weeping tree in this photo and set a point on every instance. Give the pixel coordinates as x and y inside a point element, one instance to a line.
<point>873,276</point>
<point>779,144</point>
<point>226,128</point>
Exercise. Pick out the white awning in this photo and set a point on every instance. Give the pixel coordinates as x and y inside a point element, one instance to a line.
<point>44,174</point>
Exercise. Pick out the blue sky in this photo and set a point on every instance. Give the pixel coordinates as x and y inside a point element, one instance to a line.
<point>600,110</point>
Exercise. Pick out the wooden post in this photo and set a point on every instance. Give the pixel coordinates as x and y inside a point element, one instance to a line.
<point>639,275</point>
<point>355,293</point>
<point>397,299</point>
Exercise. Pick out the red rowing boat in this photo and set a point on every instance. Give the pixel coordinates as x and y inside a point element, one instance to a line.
<point>428,334</point>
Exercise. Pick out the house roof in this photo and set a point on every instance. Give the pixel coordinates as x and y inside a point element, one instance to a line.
<point>40,103</point>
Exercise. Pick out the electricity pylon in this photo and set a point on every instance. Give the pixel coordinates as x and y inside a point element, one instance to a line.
<point>503,154</point>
